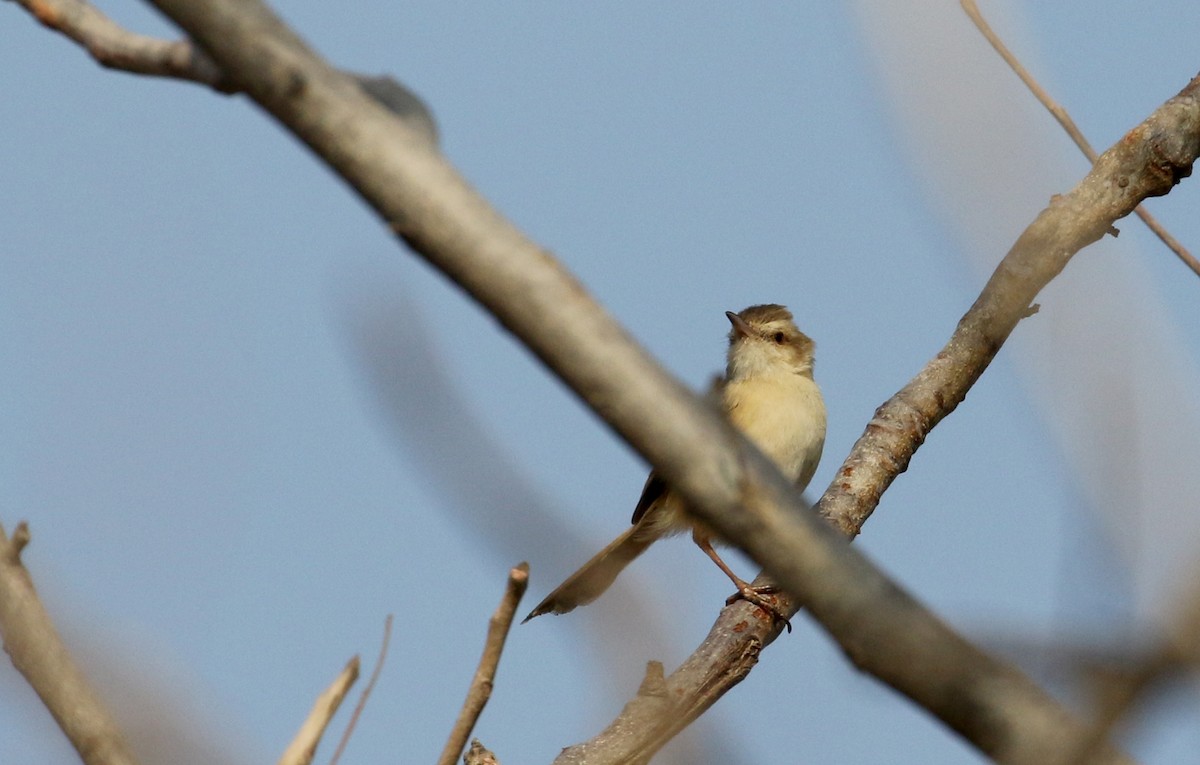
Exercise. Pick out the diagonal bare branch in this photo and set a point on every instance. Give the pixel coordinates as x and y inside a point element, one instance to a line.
<point>302,748</point>
<point>38,653</point>
<point>115,47</point>
<point>1064,119</point>
<point>366,692</point>
<point>481,684</point>
<point>1148,161</point>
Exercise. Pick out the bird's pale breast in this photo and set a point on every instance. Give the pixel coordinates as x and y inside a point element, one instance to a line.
<point>785,418</point>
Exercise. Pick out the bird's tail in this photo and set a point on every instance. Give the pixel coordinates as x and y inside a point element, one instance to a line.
<point>595,576</point>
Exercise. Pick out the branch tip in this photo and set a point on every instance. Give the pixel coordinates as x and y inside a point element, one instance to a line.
<point>302,748</point>
<point>366,692</point>
<point>21,538</point>
<point>519,574</point>
<point>654,682</point>
<point>482,683</point>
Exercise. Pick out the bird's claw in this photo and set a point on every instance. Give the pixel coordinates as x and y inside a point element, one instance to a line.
<point>755,595</point>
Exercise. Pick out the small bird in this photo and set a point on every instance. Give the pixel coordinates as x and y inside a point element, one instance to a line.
<point>769,394</point>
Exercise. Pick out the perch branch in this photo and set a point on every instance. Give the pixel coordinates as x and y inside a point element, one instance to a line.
<point>872,622</point>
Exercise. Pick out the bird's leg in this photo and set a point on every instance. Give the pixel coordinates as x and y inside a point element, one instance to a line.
<point>746,591</point>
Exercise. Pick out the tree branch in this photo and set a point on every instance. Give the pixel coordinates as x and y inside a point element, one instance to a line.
<point>117,48</point>
<point>481,684</point>
<point>1148,161</point>
<point>881,631</point>
<point>366,692</point>
<point>302,748</point>
<point>38,653</point>
<point>1064,120</point>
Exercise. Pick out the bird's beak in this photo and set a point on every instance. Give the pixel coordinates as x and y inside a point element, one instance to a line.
<point>739,324</point>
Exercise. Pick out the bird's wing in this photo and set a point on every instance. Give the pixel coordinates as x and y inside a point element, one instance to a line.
<point>655,487</point>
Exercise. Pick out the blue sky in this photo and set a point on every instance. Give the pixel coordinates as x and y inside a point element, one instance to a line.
<point>245,425</point>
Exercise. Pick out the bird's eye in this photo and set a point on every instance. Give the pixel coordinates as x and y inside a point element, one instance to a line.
<point>779,338</point>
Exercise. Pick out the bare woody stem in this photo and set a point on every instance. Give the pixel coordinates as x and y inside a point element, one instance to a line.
<point>485,674</point>
<point>365,696</point>
<point>1064,120</point>
<point>117,48</point>
<point>304,746</point>
<point>885,632</point>
<point>114,47</point>
<point>1148,161</point>
<point>38,653</point>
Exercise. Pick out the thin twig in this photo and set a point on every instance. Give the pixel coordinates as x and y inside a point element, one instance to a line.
<point>481,684</point>
<point>1064,119</point>
<point>38,653</point>
<point>304,745</point>
<point>366,692</point>
<point>117,48</point>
